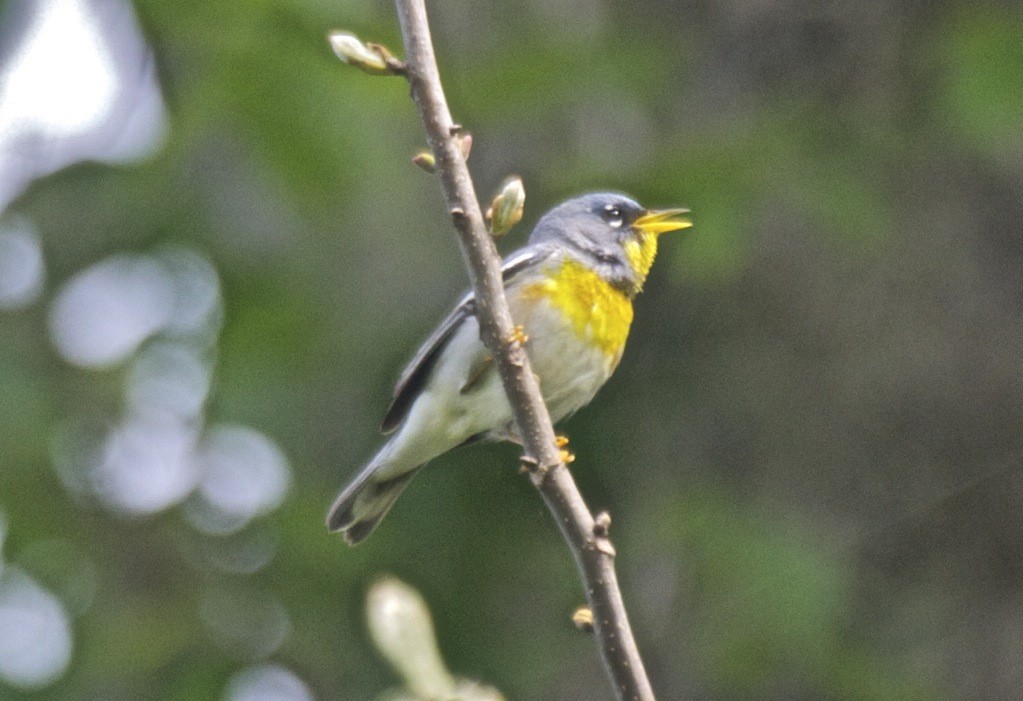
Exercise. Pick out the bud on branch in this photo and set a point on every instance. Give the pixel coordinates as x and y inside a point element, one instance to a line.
<point>506,208</point>
<point>428,162</point>
<point>371,58</point>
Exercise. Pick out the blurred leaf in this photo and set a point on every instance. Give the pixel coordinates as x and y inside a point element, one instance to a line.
<point>982,55</point>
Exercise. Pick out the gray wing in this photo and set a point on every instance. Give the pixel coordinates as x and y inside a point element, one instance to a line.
<point>416,374</point>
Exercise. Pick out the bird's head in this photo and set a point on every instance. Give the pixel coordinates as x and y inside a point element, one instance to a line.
<point>611,233</point>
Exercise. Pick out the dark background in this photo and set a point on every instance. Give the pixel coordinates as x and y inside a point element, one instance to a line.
<point>811,450</point>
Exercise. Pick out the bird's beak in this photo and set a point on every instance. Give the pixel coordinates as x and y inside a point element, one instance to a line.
<point>660,221</point>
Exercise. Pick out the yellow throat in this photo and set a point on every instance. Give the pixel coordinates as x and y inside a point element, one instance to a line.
<point>641,253</point>
<point>599,312</point>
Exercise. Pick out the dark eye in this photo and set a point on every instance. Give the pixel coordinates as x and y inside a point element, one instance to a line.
<point>613,216</point>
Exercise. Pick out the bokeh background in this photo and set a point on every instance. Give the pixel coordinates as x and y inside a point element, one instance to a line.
<point>215,258</point>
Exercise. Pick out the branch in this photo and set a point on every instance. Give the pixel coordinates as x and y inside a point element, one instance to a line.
<point>587,537</point>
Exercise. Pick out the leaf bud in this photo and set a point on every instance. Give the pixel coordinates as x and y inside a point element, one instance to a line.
<point>350,49</point>
<point>426,160</point>
<point>583,618</point>
<point>506,208</point>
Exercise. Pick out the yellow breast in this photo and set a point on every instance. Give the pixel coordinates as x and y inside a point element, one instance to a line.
<point>598,312</point>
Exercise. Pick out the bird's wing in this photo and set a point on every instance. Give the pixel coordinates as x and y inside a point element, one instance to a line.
<point>417,372</point>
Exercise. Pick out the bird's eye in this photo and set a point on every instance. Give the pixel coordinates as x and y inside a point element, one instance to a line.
<point>613,216</point>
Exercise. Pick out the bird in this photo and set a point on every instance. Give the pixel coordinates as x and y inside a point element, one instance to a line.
<point>570,291</point>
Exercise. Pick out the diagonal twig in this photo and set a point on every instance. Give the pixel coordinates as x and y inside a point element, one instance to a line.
<point>587,537</point>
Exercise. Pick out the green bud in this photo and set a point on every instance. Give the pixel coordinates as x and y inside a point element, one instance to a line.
<point>428,162</point>
<point>425,160</point>
<point>352,51</point>
<point>506,208</point>
<point>401,628</point>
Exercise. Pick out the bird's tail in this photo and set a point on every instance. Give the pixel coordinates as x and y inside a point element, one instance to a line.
<point>367,499</point>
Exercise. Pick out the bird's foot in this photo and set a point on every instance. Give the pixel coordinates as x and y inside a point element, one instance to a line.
<point>566,456</point>
<point>518,335</point>
<point>561,441</point>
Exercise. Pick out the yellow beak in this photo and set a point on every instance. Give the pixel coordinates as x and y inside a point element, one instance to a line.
<point>660,221</point>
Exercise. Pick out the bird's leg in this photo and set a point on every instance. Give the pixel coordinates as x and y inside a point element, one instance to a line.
<point>512,436</point>
<point>526,463</point>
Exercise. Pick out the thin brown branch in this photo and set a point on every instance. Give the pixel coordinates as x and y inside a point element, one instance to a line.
<point>586,537</point>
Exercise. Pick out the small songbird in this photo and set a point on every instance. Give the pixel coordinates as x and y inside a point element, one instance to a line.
<point>570,289</point>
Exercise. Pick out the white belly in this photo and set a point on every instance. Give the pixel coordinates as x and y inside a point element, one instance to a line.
<point>569,371</point>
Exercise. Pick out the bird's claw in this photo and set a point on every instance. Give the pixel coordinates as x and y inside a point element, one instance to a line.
<point>518,335</point>
<point>561,441</point>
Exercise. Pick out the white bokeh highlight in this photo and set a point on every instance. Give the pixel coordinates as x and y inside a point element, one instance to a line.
<point>147,466</point>
<point>102,315</point>
<point>160,315</point>
<point>35,633</point>
<point>22,270</point>
<point>197,303</point>
<point>266,683</point>
<point>63,91</point>
<point>244,474</point>
<point>79,84</point>
<point>168,380</point>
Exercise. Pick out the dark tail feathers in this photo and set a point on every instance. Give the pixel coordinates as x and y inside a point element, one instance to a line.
<point>359,508</point>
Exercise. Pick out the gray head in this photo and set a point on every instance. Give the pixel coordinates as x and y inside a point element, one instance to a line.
<point>610,233</point>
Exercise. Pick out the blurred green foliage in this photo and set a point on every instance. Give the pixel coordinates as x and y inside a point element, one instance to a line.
<point>811,448</point>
